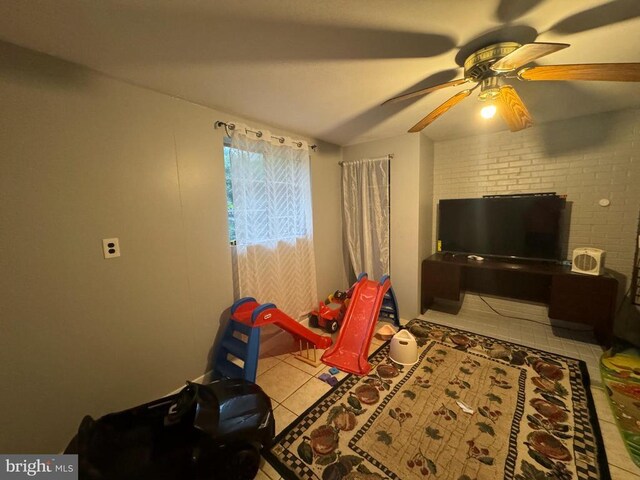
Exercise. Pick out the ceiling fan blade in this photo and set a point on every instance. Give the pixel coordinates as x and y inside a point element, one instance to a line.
<point>605,72</point>
<point>512,109</point>
<point>525,54</point>
<point>457,98</point>
<point>424,91</point>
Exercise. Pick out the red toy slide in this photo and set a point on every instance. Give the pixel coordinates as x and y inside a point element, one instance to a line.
<point>350,351</point>
<point>251,313</point>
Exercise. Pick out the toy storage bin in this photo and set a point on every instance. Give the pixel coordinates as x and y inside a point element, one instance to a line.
<point>403,348</point>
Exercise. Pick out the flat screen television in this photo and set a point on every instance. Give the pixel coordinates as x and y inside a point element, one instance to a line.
<point>521,226</point>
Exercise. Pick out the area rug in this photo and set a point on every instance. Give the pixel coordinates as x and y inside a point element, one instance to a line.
<point>472,408</point>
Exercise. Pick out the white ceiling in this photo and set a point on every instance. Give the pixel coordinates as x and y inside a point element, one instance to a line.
<point>322,68</point>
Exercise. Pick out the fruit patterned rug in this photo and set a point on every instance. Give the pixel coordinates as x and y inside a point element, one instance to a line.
<point>472,408</point>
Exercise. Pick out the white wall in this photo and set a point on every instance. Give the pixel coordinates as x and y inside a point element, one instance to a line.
<point>85,157</point>
<point>327,219</point>
<point>587,158</point>
<point>410,195</point>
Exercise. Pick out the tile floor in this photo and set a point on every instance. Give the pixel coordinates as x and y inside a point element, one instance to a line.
<point>302,388</point>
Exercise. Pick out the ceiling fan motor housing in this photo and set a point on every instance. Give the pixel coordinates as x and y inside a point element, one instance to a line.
<point>477,66</point>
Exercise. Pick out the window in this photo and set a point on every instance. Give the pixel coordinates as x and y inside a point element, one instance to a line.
<point>227,176</point>
<point>273,201</point>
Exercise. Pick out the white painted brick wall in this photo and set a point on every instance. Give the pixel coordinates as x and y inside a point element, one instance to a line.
<point>587,159</point>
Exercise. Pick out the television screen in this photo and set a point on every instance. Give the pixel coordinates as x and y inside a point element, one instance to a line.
<point>518,227</point>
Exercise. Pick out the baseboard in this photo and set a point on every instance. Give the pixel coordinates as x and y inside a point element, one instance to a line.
<point>206,378</point>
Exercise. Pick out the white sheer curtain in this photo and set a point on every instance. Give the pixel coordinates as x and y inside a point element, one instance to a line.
<point>365,191</point>
<point>273,258</point>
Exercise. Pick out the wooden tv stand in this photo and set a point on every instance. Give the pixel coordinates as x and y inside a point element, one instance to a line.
<point>570,296</point>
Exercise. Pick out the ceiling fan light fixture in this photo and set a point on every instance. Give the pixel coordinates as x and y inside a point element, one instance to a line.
<point>491,66</point>
<point>489,89</point>
<point>489,94</point>
<point>488,111</point>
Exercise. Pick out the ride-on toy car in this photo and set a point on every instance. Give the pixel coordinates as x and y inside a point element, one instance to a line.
<point>329,314</point>
<point>213,431</point>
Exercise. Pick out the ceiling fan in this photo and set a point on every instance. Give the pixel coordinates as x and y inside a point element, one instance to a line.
<point>489,66</point>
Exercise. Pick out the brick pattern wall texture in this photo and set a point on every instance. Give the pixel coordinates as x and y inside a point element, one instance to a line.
<point>586,158</point>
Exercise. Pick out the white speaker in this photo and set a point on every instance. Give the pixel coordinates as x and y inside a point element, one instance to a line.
<point>587,260</point>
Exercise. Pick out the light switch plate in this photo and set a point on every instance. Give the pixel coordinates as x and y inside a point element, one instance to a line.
<point>111,247</point>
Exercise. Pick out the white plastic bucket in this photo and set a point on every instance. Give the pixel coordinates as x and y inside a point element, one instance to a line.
<point>403,348</point>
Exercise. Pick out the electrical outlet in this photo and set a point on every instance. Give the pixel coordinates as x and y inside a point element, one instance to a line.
<point>111,247</point>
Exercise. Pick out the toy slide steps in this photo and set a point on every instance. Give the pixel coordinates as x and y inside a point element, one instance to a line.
<point>350,351</point>
<point>247,351</point>
<point>251,313</point>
